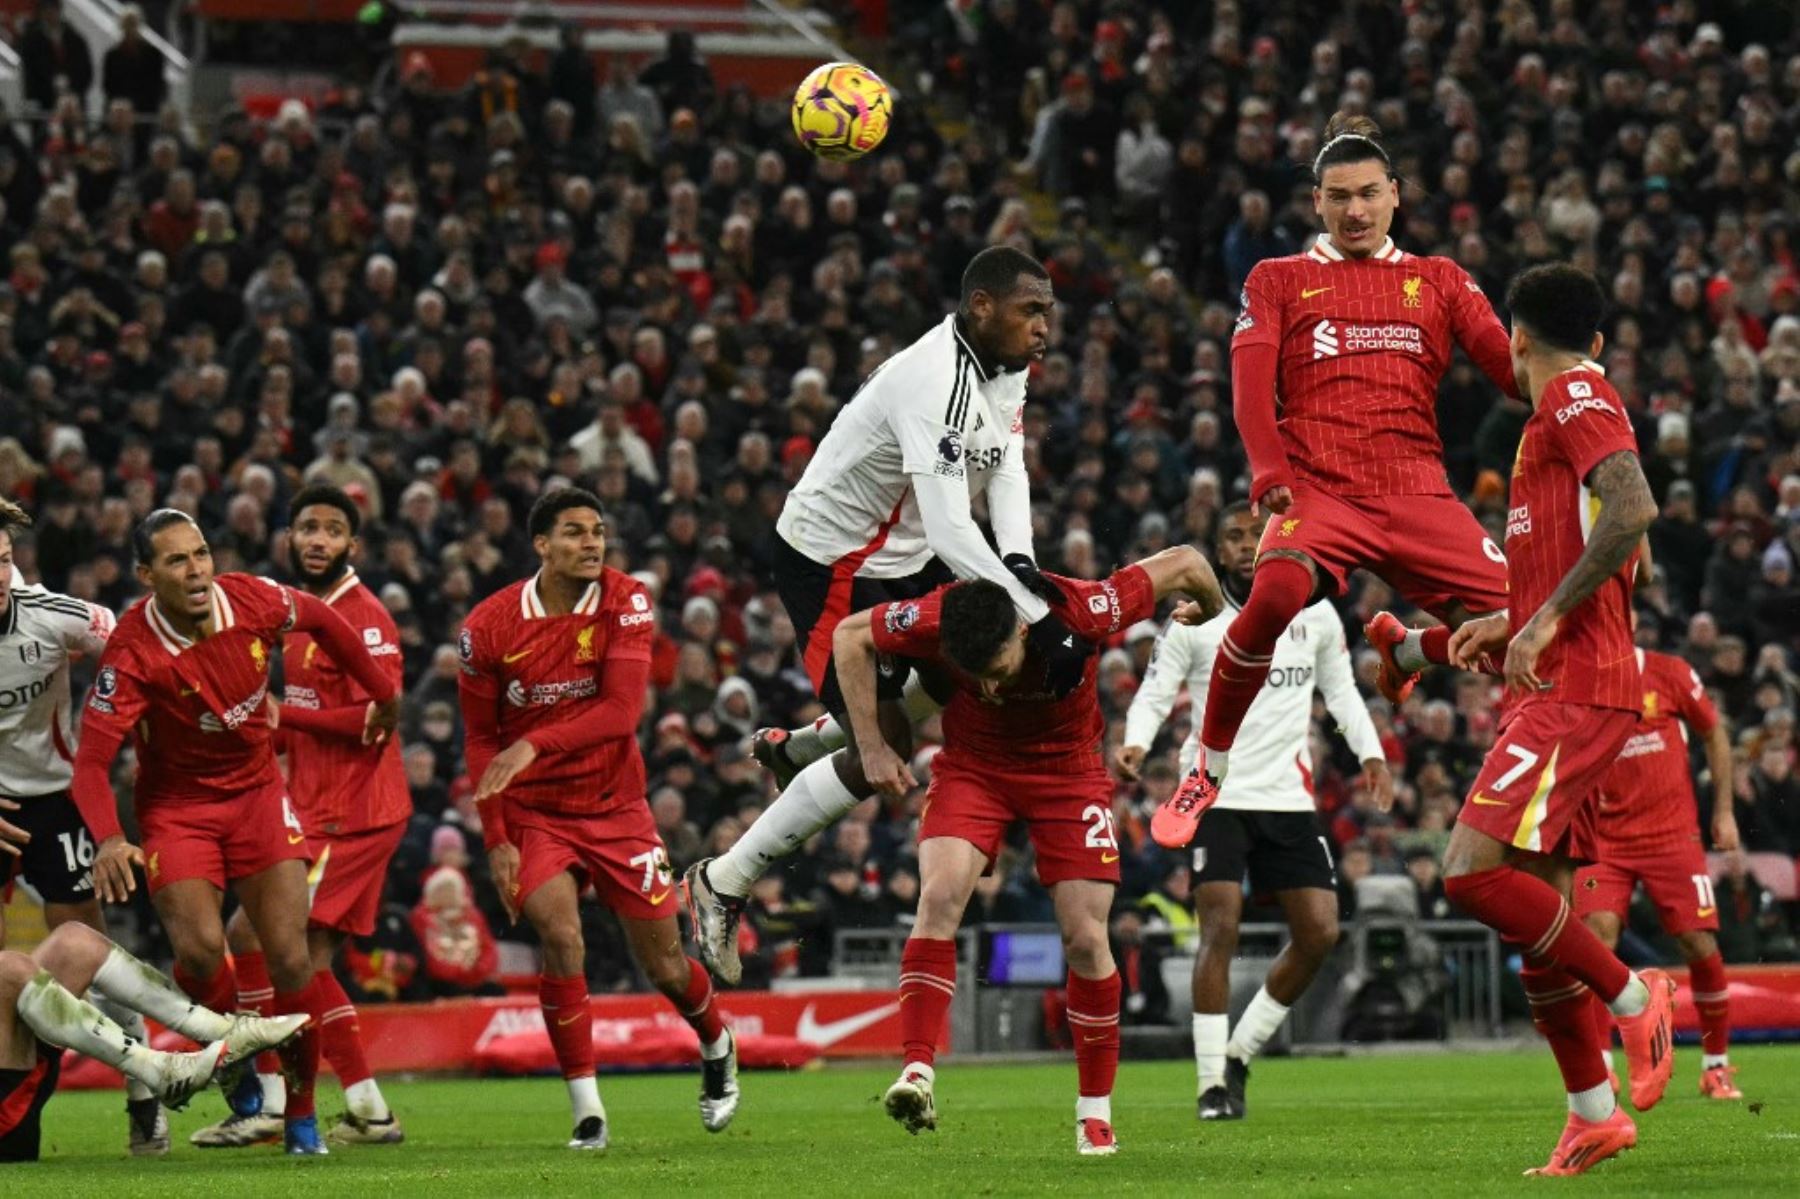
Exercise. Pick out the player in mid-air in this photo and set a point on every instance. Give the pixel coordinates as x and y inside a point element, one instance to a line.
<point>1265,820</point>
<point>42,1012</point>
<point>40,633</point>
<point>1014,750</point>
<point>883,513</point>
<point>353,801</point>
<point>185,677</point>
<point>1578,507</point>
<point>1645,831</point>
<point>553,675</point>
<point>1335,365</point>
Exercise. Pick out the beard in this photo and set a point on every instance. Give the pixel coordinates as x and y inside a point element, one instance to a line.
<point>334,570</point>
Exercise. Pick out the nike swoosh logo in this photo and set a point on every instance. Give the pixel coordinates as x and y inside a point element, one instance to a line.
<point>1703,913</point>
<point>656,899</point>
<point>1310,292</point>
<point>1485,802</point>
<point>1107,859</point>
<point>515,657</point>
<point>831,1032</point>
<point>570,1020</point>
<point>1093,1040</point>
<point>293,840</point>
<point>187,691</point>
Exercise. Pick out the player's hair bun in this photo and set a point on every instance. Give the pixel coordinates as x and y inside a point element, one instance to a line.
<point>1351,124</point>
<point>1350,137</point>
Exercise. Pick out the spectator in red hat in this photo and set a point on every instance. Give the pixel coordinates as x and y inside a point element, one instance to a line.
<point>552,296</point>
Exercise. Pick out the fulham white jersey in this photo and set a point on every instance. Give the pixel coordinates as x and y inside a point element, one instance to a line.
<point>1271,768</point>
<point>39,631</point>
<point>929,417</point>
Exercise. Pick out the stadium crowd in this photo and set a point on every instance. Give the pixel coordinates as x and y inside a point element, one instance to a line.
<point>442,300</point>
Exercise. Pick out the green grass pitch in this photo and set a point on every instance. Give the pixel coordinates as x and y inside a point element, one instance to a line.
<point>1434,1124</point>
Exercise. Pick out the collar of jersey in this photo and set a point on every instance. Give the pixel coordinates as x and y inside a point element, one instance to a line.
<point>531,607</point>
<point>344,586</point>
<point>1323,251</point>
<point>223,617</point>
<point>956,332</point>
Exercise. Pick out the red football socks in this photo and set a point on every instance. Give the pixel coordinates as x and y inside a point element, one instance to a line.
<point>696,1004</point>
<point>255,993</point>
<point>1278,592</point>
<point>1604,1023</point>
<point>340,1036</point>
<point>1561,1010</point>
<point>1094,1024</point>
<point>218,993</point>
<point>1706,977</point>
<point>1434,643</point>
<point>300,1056</point>
<point>1529,912</point>
<point>927,984</point>
<point>570,1023</point>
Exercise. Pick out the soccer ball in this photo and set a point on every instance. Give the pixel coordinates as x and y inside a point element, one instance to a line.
<point>841,111</point>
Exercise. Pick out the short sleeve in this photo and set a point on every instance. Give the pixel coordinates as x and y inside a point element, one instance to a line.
<point>633,635</point>
<point>117,699</point>
<point>1259,318</point>
<point>929,408</point>
<point>1098,610</point>
<point>1587,420</point>
<point>471,645</point>
<point>271,602</point>
<point>1695,704</point>
<point>906,628</point>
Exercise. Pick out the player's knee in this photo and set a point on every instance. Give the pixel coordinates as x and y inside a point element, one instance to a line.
<point>940,912</point>
<point>290,969</point>
<point>67,944</point>
<point>1315,940</point>
<point>16,969</point>
<point>1086,949</point>
<point>1697,945</point>
<point>201,953</point>
<point>240,936</point>
<point>561,939</point>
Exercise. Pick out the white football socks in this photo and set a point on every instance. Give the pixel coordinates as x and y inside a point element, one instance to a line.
<point>1409,655</point>
<point>365,1101</point>
<point>1093,1107</point>
<point>1595,1103</point>
<point>584,1098</point>
<point>133,1024</point>
<point>138,986</point>
<point>60,1017</point>
<point>1712,1061</point>
<point>1215,762</point>
<point>1632,1000</point>
<point>816,799</point>
<point>809,743</point>
<point>713,1050</point>
<point>274,1089</point>
<point>1210,1032</point>
<point>1256,1026</point>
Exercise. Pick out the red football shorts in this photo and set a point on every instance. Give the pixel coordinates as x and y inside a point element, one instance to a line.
<point>618,851</point>
<point>1430,548</point>
<point>1674,876</point>
<point>222,840</point>
<point>1068,814</point>
<point>1539,784</point>
<point>347,875</point>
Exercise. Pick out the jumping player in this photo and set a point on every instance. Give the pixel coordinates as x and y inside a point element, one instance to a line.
<point>883,513</point>
<point>1578,508</point>
<point>353,801</point>
<point>42,1012</point>
<point>41,632</point>
<point>1014,750</point>
<point>1265,821</point>
<point>186,677</point>
<point>1353,336</point>
<point>553,676</point>
<point>1645,832</point>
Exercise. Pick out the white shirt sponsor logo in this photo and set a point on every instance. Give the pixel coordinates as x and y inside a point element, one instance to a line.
<point>1592,404</point>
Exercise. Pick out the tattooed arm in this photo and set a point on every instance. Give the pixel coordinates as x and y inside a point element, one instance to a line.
<point>1626,510</point>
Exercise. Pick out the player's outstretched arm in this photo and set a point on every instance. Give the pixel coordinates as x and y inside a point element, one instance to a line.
<point>1337,683</point>
<point>1626,510</point>
<point>1184,569</point>
<point>1169,667</point>
<point>853,654</point>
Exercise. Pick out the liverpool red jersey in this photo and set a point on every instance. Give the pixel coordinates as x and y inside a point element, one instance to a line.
<point>1647,801</point>
<point>341,786</point>
<point>1363,344</point>
<point>1578,422</point>
<point>525,672</point>
<point>1023,724</point>
<point>194,710</point>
